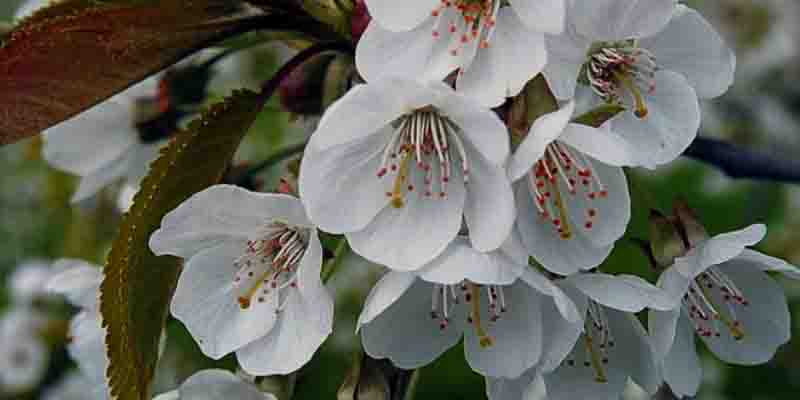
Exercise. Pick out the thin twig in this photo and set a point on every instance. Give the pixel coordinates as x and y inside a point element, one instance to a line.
<point>741,163</point>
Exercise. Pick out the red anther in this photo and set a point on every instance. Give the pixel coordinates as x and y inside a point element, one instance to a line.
<point>588,225</point>
<point>410,188</point>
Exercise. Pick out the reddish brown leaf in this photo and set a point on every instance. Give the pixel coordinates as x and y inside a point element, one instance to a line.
<point>72,55</point>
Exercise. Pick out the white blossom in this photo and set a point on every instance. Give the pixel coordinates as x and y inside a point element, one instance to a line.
<point>500,307</point>
<point>79,282</point>
<point>571,193</point>
<point>725,298</point>
<point>251,281</point>
<point>395,165</point>
<point>654,56</point>
<point>24,353</point>
<point>497,46</point>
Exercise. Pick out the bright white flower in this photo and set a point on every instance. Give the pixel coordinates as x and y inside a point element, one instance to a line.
<point>396,165</point>
<point>102,144</point>
<point>24,355</point>
<point>251,282</point>
<point>215,384</point>
<point>654,56</point>
<point>491,299</point>
<point>75,386</point>
<point>572,196</point>
<point>80,284</point>
<point>607,348</point>
<point>496,45</point>
<point>728,300</point>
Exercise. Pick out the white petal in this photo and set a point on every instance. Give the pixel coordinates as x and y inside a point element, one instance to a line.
<point>682,370</point>
<point>304,322</point>
<point>376,105</point>
<point>670,126</point>
<point>414,54</point>
<point>220,214</point>
<point>544,131</point>
<point>562,302</point>
<point>767,263</point>
<point>566,54</point>
<point>514,56</point>
<point>206,302</point>
<point>416,341</point>
<point>690,46</point>
<point>529,386</point>
<point>91,139</point>
<point>662,326</point>
<point>489,209</point>
<point>517,335</point>
<point>79,282</point>
<point>609,20</point>
<point>400,16</point>
<point>765,321</point>
<point>409,237</point>
<point>385,293</point>
<point>87,346</point>
<point>612,212</point>
<point>561,256</point>
<point>634,351</point>
<point>719,249</point>
<point>103,176</point>
<point>479,127</point>
<point>340,187</point>
<point>599,144</point>
<point>460,261</point>
<point>560,331</point>
<point>216,384</point>
<point>541,15</point>
<point>622,292</point>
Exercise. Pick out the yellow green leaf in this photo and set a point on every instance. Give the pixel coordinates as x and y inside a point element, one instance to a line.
<point>138,286</point>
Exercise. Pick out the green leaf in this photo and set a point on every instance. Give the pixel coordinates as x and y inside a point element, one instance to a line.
<point>76,53</point>
<point>138,286</point>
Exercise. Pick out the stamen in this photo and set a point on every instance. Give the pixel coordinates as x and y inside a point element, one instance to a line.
<point>703,308</point>
<point>483,338</point>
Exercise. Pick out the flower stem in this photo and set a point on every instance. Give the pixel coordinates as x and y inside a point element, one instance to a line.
<point>333,264</point>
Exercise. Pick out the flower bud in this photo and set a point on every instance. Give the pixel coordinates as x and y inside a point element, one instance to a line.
<point>690,227</point>
<point>319,81</point>
<point>371,379</point>
<point>666,242</point>
<point>359,20</point>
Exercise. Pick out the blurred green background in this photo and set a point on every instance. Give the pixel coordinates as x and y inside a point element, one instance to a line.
<point>761,112</point>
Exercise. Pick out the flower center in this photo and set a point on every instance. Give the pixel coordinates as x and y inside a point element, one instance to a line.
<point>619,71</point>
<point>597,343</point>
<point>478,17</point>
<point>269,263</point>
<point>445,297</point>
<point>563,168</point>
<point>425,143</point>
<point>712,298</point>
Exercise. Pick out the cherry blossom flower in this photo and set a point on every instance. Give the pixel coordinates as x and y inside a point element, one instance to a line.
<point>74,386</point>
<point>497,46</point>
<point>79,282</point>
<point>654,56</point>
<point>27,282</point>
<point>728,300</point>
<point>215,384</point>
<point>491,299</point>
<point>571,194</point>
<point>395,165</point>
<point>24,354</point>
<point>607,347</point>
<point>251,282</point>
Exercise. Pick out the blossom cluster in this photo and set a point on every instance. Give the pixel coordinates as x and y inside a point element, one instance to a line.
<point>492,237</point>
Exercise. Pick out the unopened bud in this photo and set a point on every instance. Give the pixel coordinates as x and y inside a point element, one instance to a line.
<point>371,379</point>
<point>692,230</point>
<point>359,20</point>
<point>315,84</point>
<point>666,242</point>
